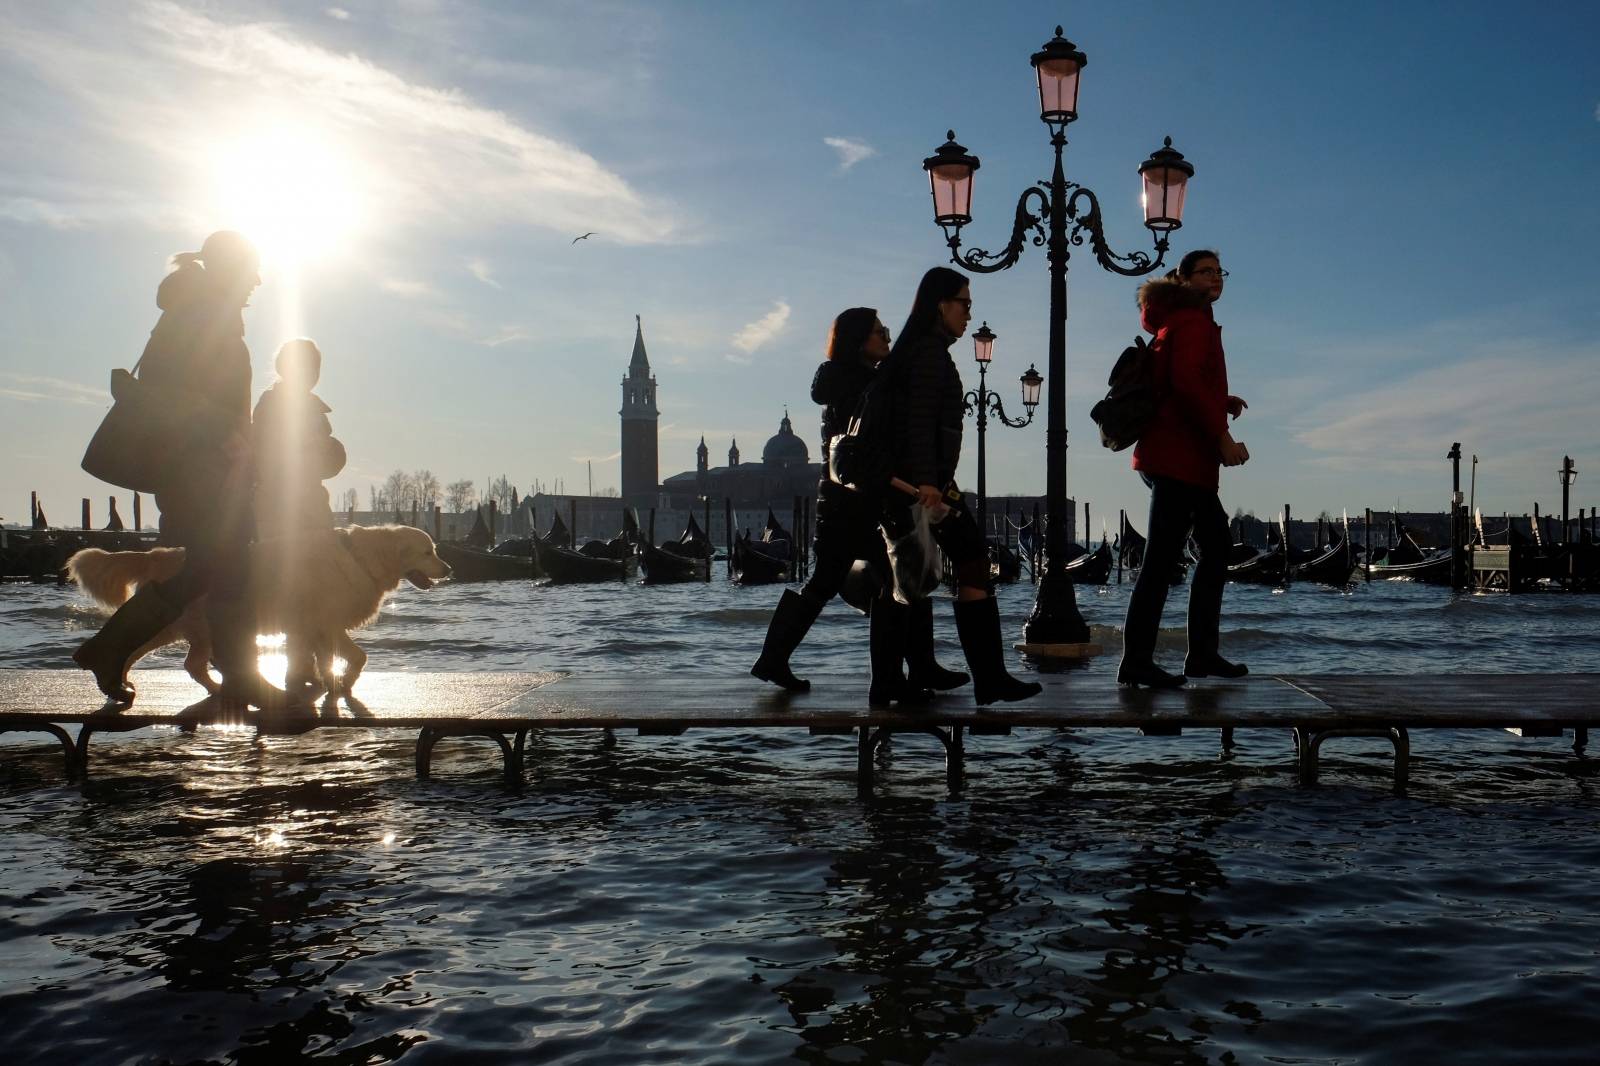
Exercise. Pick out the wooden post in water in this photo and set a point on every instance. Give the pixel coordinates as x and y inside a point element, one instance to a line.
<point>1033,567</point>
<point>727,530</point>
<point>494,520</point>
<point>138,514</point>
<point>438,523</point>
<point>414,524</point>
<point>711,549</point>
<point>86,512</point>
<point>1088,527</point>
<point>572,523</point>
<point>1288,556</point>
<point>652,530</point>
<point>1122,540</point>
<point>1366,561</point>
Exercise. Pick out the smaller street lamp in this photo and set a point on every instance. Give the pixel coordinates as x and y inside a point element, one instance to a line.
<point>986,402</point>
<point>1568,474</point>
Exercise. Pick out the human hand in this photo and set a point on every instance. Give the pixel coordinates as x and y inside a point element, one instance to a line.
<point>1236,406</point>
<point>930,497</point>
<point>1234,453</point>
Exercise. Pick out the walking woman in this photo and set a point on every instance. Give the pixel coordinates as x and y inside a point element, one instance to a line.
<point>928,416</point>
<point>847,530</point>
<point>197,361</point>
<point>1179,457</point>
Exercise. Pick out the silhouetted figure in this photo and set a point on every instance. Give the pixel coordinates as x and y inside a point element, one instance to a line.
<point>847,530</point>
<point>295,449</point>
<point>1178,456</point>
<point>196,355</point>
<point>928,416</point>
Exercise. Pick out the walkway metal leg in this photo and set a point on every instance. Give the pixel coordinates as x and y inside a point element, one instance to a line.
<point>1308,742</point>
<point>1227,738</point>
<point>1580,740</point>
<point>864,763</point>
<point>955,753</point>
<point>431,735</point>
<point>67,748</point>
<point>81,750</point>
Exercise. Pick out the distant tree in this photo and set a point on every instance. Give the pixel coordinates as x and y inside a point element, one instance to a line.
<point>349,501</point>
<point>500,490</point>
<point>399,490</point>
<point>608,493</point>
<point>372,497</point>
<point>459,495</point>
<point>429,491</point>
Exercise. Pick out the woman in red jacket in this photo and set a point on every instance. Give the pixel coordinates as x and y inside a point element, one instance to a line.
<point>1179,456</point>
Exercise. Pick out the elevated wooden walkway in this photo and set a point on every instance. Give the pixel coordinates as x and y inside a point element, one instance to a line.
<point>509,707</point>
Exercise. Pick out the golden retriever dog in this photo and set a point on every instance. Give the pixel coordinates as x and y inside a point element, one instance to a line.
<point>314,588</point>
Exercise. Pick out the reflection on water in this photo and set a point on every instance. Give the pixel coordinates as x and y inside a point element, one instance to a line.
<point>725,898</point>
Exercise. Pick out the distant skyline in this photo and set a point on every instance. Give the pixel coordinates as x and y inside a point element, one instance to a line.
<point>1403,194</point>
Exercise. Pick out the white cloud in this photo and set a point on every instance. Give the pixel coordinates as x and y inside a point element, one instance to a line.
<point>408,288</point>
<point>506,336</point>
<point>762,330</point>
<point>34,389</point>
<point>850,151</point>
<point>168,84</point>
<point>338,13</point>
<point>480,269</point>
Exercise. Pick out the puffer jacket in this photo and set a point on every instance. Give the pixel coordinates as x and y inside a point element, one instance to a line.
<point>1184,438</point>
<point>197,354</point>
<point>844,518</point>
<point>928,412</point>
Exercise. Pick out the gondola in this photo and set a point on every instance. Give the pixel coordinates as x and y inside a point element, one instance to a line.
<point>1406,560</point>
<point>1256,566</point>
<point>1004,563</point>
<point>622,546</point>
<point>1092,568</point>
<point>765,561</point>
<point>510,561</point>
<point>1335,566</point>
<point>685,559</point>
<point>563,566</point>
<point>1130,548</point>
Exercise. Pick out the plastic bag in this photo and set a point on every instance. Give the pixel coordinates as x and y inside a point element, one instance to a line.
<point>914,558</point>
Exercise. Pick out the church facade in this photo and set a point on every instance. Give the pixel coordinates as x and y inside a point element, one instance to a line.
<point>784,472</point>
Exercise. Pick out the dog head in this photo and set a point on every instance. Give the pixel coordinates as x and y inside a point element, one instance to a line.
<point>400,552</point>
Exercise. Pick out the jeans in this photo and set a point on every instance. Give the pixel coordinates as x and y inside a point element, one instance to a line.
<point>1176,507</point>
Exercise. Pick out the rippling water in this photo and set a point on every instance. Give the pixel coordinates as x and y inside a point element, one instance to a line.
<point>723,897</point>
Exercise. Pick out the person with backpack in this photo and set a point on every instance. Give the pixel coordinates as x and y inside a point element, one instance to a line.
<point>1179,454</point>
<point>846,531</point>
<point>927,416</point>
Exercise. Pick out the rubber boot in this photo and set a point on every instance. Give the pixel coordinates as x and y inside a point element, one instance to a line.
<point>233,650</point>
<point>107,654</point>
<point>889,626</point>
<point>789,626</point>
<point>978,625</point>
<point>924,670</point>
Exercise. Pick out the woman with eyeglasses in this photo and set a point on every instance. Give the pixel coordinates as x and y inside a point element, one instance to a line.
<point>928,417</point>
<point>1179,457</point>
<point>847,530</point>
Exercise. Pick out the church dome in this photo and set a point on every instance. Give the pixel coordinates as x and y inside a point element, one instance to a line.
<point>784,448</point>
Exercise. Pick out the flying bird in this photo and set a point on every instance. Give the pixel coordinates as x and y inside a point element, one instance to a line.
<point>585,237</point>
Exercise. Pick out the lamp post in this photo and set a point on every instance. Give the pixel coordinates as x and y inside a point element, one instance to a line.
<point>987,403</point>
<point>1072,212</point>
<point>1568,474</point>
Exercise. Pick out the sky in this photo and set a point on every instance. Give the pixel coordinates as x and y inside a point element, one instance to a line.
<point>1404,194</point>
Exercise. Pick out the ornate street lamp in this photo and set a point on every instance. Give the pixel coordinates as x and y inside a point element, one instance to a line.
<point>986,403</point>
<point>1568,474</point>
<point>1072,212</point>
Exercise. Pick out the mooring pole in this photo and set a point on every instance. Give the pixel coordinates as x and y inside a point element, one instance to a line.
<point>1366,560</point>
<point>1288,556</point>
<point>727,529</point>
<point>711,549</point>
<point>494,515</point>
<point>1122,540</point>
<point>138,514</point>
<point>1458,553</point>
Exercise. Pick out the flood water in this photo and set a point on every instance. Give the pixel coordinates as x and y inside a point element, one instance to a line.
<point>722,897</point>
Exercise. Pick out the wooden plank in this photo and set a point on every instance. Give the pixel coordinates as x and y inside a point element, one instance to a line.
<point>1458,700</point>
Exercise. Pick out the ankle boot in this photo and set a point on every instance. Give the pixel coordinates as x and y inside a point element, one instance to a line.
<point>888,626</point>
<point>1213,665</point>
<point>924,669</point>
<point>107,654</point>
<point>978,625</point>
<point>1147,674</point>
<point>789,626</point>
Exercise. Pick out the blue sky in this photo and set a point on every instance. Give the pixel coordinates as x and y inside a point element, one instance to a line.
<point>1404,194</point>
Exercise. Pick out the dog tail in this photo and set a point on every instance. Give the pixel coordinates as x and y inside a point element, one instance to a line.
<point>109,578</point>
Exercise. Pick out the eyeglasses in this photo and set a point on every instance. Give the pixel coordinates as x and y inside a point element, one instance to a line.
<point>964,303</point>
<point>883,331</point>
<point>1211,272</point>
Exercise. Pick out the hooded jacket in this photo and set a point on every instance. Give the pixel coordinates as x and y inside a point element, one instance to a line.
<point>1184,439</point>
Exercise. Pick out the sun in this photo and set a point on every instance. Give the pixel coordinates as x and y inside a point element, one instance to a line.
<point>291,189</point>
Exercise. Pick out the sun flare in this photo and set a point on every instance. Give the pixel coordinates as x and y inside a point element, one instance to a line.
<point>291,190</point>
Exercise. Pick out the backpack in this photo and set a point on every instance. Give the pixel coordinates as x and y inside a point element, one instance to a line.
<point>860,458</point>
<point>1131,402</point>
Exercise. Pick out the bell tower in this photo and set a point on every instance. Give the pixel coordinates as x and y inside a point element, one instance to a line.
<point>641,471</point>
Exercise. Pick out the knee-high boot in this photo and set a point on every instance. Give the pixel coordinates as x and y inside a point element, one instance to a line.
<point>925,671</point>
<point>889,625</point>
<point>978,624</point>
<point>107,653</point>
<point>789,626</point>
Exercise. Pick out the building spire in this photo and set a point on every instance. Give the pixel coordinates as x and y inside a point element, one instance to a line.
<point>640,363</point>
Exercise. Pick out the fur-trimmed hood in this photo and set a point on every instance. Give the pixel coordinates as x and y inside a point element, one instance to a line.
<point>1159,297</point>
